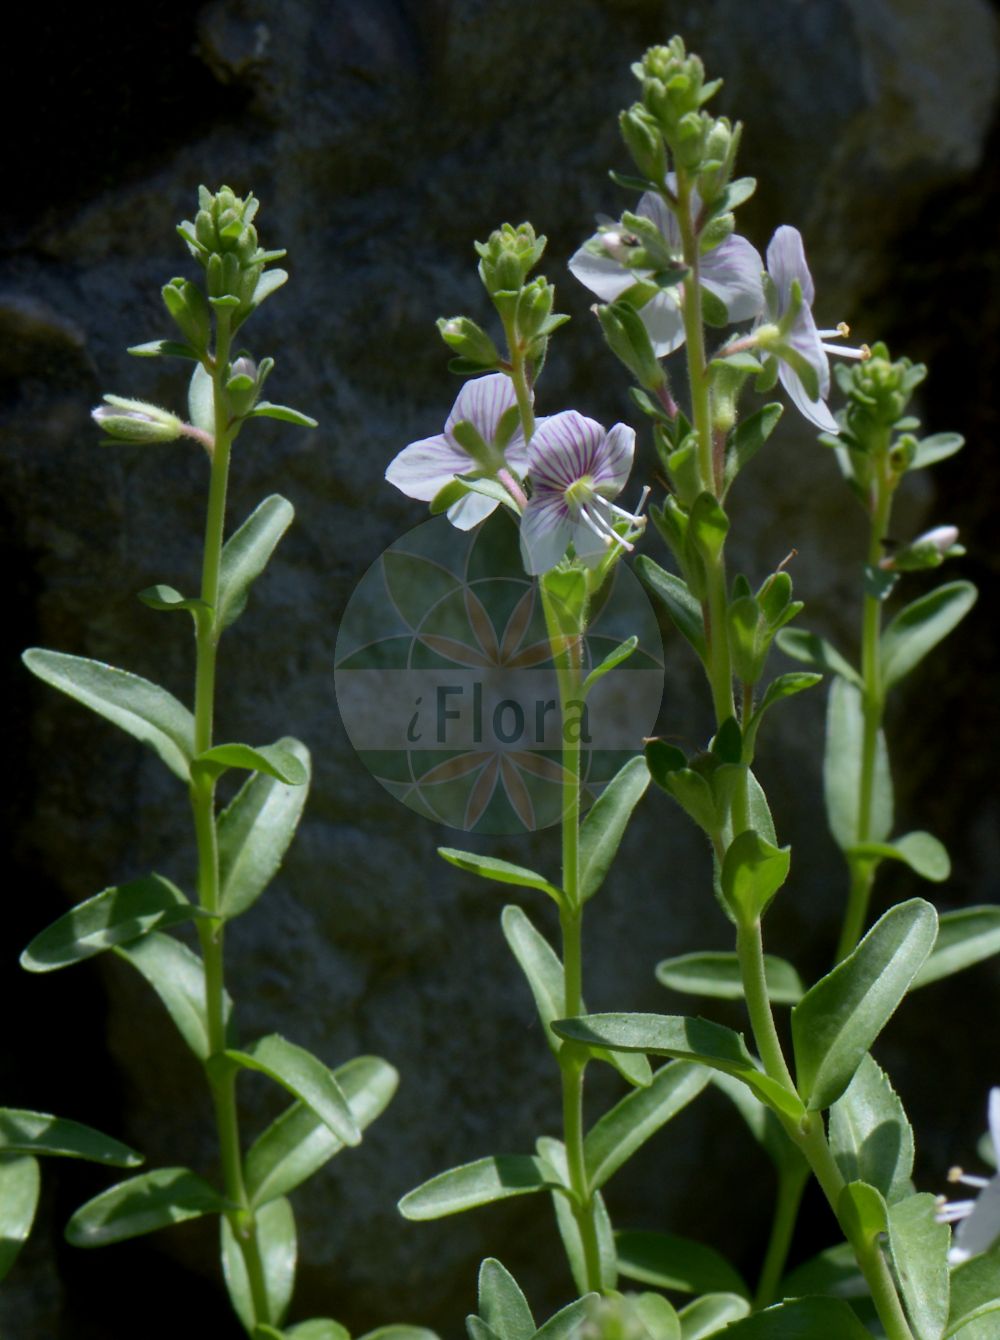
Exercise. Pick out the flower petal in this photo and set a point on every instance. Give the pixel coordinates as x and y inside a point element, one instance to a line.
<point>612,471</point>
<point>786,260</point>
<point>979,1230</point>
<point>652,206</point>
<point>546,531</point>
<point>422,469</point>
<point>482,402</point>
<point>663,321</point>
<point>601,274</point>
<point>470,510</point>
<point>816,411</point>
<point>994,1121</point>
<point>732,271</point>
<point>563,449</point>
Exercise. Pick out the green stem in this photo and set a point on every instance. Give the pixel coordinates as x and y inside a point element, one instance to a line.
<point>792,1180</point>
<point>873,706</point>
<point>221,1079</point>
<point>750,951</point>
<point>522,390</point>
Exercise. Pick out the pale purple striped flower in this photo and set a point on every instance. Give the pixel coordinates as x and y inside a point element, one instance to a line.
<point>786,264</point>
<point>978,1219</point>
<point>575,469</point>
<point>422,469</point>
<point>731,271</point>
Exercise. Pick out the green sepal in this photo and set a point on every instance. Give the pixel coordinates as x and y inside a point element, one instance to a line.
<point>117,915</point>
<point>177,975</point>
<point>965,937</point>
<point>752,873</point>
<point>747,439</point>
<point>676,1263</point>
<point>245,555</point>
<point>161,597</point>
<point>920,626</point>
<point>278,1247</point>
<point>140,708</point>
<point>501,872</point>
<point>838,1019</point>
<point>683,608</point>
<point>801,1319</point>
<point>454,491</point>
<point>937,447</point>
<point>918,1245</point>
<point>717,973</point>
<point>256,829</point>
<point>614,658</point>
<point>36,1133</point>
<point>143,1204</point>
<point>870,1135</point>
<point>20,1183</point>
<point>201,400</point>
<point>604,825</point>
<point>489,488</point>
<point>502,1305</point>
<point>298,1143</point>
<point>305,1077</point>
<point>613,1139</point>
<point>162,349</point>
<point>922,852</point>
<point>711,1314</point>
<point>265,410</point>
<point>685,1039</point>
<point>271,760</point>
<point>478,1183</point>
<point>816,651</point>
<point>842,766</point>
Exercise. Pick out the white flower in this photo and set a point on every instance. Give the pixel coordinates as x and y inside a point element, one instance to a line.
<point>978,1219</point>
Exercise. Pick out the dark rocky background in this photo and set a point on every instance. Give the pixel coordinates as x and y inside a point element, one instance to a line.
<point>382,137</point>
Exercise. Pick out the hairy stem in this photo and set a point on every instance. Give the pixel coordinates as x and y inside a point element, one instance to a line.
<point>221,1079</point>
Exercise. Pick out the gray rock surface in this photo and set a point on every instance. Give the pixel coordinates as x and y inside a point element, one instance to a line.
<point>382,138</point>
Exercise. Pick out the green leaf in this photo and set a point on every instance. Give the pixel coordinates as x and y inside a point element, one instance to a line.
<point>964,938</point>
<point>503,872</point>
<point>752,873</point>
<point>478,1330</point>
<point>668,768</point>
<point>201,400</point>
<point>306,1078</point>
<point>162,349</point>
<point>838,1019</point>
<point>975,1288</point>
<point>711,1314</point>
<point>138,707</point>
<point>937,447</point>
<point>24,1132</point>
<point>278,1247</point>
<point>245,555</point>
<point>708,527</point>
<point>478,1183</point>
<point>162,597</point>
<point>115,916</point>
<point>298,1142</point>
<point>553,1156</point>
<point>762,1123</point>
<point>255,831</point>
<point>271,760</point>
<point>629,1124</point>
<point>842,766</point>
<point>833,1271</point>
<point>801,1319</point>
<point>141,1205</point>
<point>658,1317</point>
<point>784,686</point>
<point>920,626</point>
<point>870,1136</point>
<point>395,1331</point>
<point>502,1305</point>
<point>919,1249</point>
<point>605,824</point>
<point>19,1186</point>
<point>621,653</point>
<point>717,973</point>
<point>319,1328</point>
<point>671,1262</point>
<point>177,975</point>
<point>268,283</point>
<point>683,608</point>
<point>816,651</point>
<point>566,1323</point>
<point>922,852</point>
<point>748,438</point>
<point>686,1040</point>
<point>265,410</point>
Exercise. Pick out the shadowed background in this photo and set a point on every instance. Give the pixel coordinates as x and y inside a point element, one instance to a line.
<point>382,138</point>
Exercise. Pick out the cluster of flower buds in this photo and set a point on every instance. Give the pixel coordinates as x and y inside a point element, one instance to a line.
<point>222,238</point>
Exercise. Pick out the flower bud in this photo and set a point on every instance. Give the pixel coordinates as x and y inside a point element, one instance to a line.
<point>136,421</point>
<point>629,341</point>
<point>469,341</point>
<point>644,141</point>
<point>926,551</point>
<point>241,385</point>
<point>509,255</point>
<point>186,304</point>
